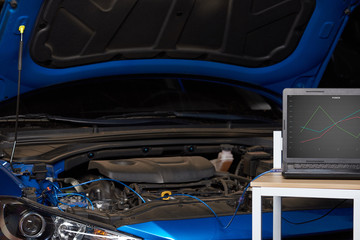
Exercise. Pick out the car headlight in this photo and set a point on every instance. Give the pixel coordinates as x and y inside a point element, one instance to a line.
<point>32,225</point>
<point>21,219</point>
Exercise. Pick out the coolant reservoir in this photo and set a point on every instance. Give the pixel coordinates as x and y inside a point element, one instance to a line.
<point>224,160</point>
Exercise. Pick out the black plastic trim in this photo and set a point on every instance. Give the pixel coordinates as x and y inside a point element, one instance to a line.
<point>251,33</point>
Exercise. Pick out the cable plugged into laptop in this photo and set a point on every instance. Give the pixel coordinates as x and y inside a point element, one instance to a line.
<point>242,198</point>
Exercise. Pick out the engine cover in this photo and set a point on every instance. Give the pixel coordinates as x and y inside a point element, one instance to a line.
<point>156,170</point>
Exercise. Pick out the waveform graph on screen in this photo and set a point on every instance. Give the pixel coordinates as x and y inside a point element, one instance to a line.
<point>324,126</point>
<point>349,125</point>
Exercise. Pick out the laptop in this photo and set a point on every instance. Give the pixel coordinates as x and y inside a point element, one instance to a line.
<point>321,133</point>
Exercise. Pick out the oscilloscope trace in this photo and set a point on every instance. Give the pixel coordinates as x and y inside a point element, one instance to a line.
<point>327,125</point>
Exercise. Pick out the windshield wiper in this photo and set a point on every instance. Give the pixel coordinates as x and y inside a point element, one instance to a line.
<point>25,117</point>
<point>226,117</point>
<point>139,118</point>
<point>99,121</point>
<point>192,115</point>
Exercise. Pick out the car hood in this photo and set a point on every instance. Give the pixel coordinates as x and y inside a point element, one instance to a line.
<point>268,43</point>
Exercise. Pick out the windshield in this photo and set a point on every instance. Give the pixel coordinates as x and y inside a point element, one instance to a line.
<point>139,96</point>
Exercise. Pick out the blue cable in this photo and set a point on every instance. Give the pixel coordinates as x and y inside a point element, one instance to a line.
<point>60,208</point>
<point>241,200</point>
<point>61,194</point>
<point>196,198</point>
<point>50,198</point>
<point>75,194</point>
<point>177,194</point>
<point>56,187</point>
<point>188,195</point>
<point>106,179</point>
<point>238,206</point>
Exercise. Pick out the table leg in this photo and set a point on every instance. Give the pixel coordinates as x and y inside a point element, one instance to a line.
<point>277,218</point>
<point>356,222</point>
<point>256,213</point>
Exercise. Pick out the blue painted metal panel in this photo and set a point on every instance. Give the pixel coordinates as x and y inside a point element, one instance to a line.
<point>58,168</point>
<point>10,185</point>
<point>303,68</point>
<point>210,228</point>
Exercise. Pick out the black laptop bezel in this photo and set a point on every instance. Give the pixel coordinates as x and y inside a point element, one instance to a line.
<point>313,173</point>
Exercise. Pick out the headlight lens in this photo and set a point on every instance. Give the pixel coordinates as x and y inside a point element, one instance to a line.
<point>32,225</point>
<point>21,221</point>
<point>67,229</point>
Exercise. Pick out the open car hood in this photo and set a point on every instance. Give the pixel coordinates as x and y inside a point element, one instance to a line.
<point>268,43</point>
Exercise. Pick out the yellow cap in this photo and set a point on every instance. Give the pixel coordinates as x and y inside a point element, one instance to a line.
<point>164,194</point>
<point>21,28</point>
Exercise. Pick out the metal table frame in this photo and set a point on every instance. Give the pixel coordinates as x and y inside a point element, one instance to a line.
<point>336,189</point>
<point>277,192</point>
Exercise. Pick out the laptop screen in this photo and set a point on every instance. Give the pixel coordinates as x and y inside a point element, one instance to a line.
<point>321,124</point>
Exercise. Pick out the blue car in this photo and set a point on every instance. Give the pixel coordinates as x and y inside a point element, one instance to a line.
<point>148,119</point>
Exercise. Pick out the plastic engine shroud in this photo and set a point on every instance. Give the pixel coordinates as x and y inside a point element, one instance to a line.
<point>156,170</point>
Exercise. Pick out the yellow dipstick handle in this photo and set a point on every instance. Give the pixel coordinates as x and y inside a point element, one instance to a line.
<point>21,29</point>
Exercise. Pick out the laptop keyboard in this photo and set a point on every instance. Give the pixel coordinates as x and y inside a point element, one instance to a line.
<point>326,166</point>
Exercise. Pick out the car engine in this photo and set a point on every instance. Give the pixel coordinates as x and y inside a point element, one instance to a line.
<point>129,190</point>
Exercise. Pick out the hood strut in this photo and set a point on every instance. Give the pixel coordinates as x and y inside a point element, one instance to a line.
<point>21,30</point>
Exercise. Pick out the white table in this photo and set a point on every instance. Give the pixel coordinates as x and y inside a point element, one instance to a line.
<point>273,184</point>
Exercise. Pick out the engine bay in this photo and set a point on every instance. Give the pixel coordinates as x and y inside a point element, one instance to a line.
<point>125,190</point>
